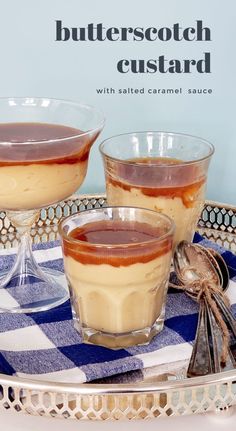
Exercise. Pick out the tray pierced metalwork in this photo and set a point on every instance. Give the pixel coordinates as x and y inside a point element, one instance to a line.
<point>159,396</point>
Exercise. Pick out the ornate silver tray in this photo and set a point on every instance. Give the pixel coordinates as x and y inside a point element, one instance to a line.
<point>161,395</point>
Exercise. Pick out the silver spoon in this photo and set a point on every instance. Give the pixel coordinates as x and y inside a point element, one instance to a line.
<point>216,337</point>
<point>227,314</point>
<point>190,266</point>
<point>200,363</point>
<point>221,267</point>
<point>193,262</point>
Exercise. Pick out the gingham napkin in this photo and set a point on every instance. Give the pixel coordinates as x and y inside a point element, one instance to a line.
<point>46,346</point>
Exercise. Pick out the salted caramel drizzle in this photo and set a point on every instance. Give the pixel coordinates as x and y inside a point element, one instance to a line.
<point>186,192</point>
<point>123,235</point>
<point>46,152</point>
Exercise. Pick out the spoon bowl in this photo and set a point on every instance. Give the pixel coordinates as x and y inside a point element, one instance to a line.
<point>221,267</point>
<point>192,263</point>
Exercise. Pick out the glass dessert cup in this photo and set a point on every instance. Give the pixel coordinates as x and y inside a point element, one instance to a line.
<point>117,263</point>
<point>44,150</point>
<point>165,172</point>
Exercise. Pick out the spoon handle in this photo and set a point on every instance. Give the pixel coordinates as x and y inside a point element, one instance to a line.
<point>200,361</point>
<point>216,340</point>
<point>216,345</point>
<point>227,314</point>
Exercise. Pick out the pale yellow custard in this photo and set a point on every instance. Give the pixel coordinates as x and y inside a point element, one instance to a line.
<point>118,275</point>
<point>38,185</point>
<point>118,299</point>
<point>185,218</point>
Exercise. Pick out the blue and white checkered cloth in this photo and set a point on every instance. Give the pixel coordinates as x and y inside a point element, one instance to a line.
<point>46,346</point>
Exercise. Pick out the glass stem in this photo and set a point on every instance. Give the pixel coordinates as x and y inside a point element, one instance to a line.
<point>25,263</point>
<point>27,288</point>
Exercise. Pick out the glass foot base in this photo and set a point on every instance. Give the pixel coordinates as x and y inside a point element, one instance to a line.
<point>118,341</point>
<point>30,293</point>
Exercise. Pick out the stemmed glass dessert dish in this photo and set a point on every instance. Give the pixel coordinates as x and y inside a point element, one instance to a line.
<point>44,151</point>
<point>166,172</point>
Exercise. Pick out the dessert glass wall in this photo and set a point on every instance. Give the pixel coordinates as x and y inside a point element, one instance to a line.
<point>44,151</point>
<point>165,172</point>
<point>117,262</point>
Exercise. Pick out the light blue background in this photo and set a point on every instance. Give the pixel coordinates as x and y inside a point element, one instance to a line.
<point>32,63</point>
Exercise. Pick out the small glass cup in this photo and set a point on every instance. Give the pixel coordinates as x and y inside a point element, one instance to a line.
<point>165,172</point>
<point>117,278</point>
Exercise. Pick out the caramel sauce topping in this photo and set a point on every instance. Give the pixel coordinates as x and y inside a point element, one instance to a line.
<point>187,191</point>
<point>69,151</point>
<point>116,243</point>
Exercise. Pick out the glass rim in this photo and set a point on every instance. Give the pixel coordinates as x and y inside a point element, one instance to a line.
<point>115,246</point>
<point>53,99</point>
<point>157,132</point>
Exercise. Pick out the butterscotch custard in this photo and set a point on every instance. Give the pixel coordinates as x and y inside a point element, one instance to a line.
<point>47,164</point>
<point>117,272</point>
<point>177,189</point>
